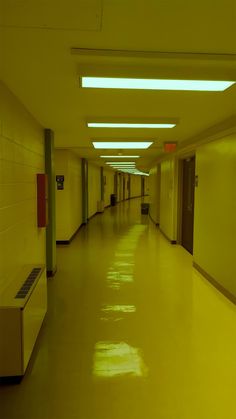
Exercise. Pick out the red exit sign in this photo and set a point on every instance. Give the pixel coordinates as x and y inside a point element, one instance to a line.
<point>169,147</point>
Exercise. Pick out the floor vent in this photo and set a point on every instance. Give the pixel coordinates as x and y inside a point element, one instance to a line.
<point>27,285</point>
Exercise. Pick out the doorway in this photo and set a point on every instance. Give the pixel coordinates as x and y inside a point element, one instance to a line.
<point>188,187</point>
<point>142,186</point>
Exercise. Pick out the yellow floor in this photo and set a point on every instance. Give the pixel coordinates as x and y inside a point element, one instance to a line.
<point>132,332</point>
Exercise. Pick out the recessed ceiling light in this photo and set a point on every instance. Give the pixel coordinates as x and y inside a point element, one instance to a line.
<point>127,125</point>
<point>122,145</point>
<point>119,157</point>
<point>124,167</point>
<point>155,84</point>
<point>122,163</point>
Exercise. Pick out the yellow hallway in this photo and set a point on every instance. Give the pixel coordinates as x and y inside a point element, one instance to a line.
<point>132,331</point>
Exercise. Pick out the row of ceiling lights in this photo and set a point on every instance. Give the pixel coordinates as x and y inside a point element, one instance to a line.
<point>145,84</point>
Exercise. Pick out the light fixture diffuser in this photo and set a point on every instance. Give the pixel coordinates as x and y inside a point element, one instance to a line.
<point>155,84</point>
<point>127,125</point>
<point>120,157</point>
<point>120,163</point>
<point>122,145</point>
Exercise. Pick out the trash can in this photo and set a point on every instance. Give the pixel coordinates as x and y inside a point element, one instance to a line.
<point>144,208</point>
<point>113,199</point>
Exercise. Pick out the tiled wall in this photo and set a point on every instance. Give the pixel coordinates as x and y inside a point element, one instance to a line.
<point>21,158</point>
<point>68,200</point>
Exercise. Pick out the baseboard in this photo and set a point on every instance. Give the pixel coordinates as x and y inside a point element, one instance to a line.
<point>215,283</point>
<point>156,224</point>
<point>66,242</point>
<point>51,273</point>
<point>16,379</point>
<point>169,240</point>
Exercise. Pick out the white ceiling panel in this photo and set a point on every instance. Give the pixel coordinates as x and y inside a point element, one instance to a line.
<point>82,15</point>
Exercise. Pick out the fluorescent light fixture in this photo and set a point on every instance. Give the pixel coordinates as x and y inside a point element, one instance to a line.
<point>156,84</point>
<point>127,125</point>
<point>130,166</point>
<point>121,163</point>
<point>123,167</point>
<point>119,157</point>
<point>122,145</point>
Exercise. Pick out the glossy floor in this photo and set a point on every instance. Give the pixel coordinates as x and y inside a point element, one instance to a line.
<point>132,332</point>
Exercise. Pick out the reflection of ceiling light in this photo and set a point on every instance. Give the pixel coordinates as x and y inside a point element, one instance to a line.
<point>117,359</point>
<point>155,84</point>
<point>127,125</point>
<point>120,157</point>
<point>120,308</point>
<point>119,145</point>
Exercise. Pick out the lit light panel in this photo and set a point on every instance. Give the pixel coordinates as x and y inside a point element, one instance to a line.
<point>127,125</point>
<point>155,84</point>
<point>119,157</point>
<point>120,163</point>
<point>122,145</point>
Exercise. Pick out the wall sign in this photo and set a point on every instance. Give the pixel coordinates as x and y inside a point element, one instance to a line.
<point>60,182</point>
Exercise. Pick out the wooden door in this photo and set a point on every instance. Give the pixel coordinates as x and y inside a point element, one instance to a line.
<point>188,203</point>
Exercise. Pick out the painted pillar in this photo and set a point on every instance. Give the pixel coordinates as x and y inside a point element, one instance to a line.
<point>51,227</point>
<point>102,183</point>
<point>84,191</point>
<point>129,186</point>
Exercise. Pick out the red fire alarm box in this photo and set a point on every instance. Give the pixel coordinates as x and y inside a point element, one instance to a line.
<point>42,199</point>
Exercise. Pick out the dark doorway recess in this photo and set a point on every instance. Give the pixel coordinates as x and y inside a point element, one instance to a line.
<point>188,203</point>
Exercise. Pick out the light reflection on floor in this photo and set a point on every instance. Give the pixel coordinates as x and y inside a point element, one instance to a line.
<point>114,312</point>
<point>113,359</point>
<point>121,270</point>
<point>120,308</point>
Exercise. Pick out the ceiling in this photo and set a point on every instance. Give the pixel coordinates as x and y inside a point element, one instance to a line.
<point>46,47</point>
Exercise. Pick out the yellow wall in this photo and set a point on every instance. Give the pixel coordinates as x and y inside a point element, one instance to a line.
<point>21,158</point>
<point>154,192</point>
<point>126,186</point>
<point>215,211</point>
<point>109,186</point>
<point>146,185</point>
<point>168,199</point>
<point>94,188</point>
<point>135,185</point>
<point>68,200</point>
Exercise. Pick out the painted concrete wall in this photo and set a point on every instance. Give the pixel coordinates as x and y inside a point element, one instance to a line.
<point>94,188</point>
<point>215,211</point>
<point>168,198</point>
<point>154,193</point>
<point>68,200</point>
<point>146,185</point>
<point>21,158</point>
<point>135,185</point>
<point>109,186</point>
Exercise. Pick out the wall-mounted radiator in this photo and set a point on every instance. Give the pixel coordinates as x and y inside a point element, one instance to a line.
<point>23,306</point>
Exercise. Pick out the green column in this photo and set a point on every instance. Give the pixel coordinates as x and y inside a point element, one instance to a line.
<point>84,190</point>
<point>102,183</point>
<point>51,228</point>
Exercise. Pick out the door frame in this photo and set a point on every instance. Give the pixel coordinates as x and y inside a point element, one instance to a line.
<point>180,194</point>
